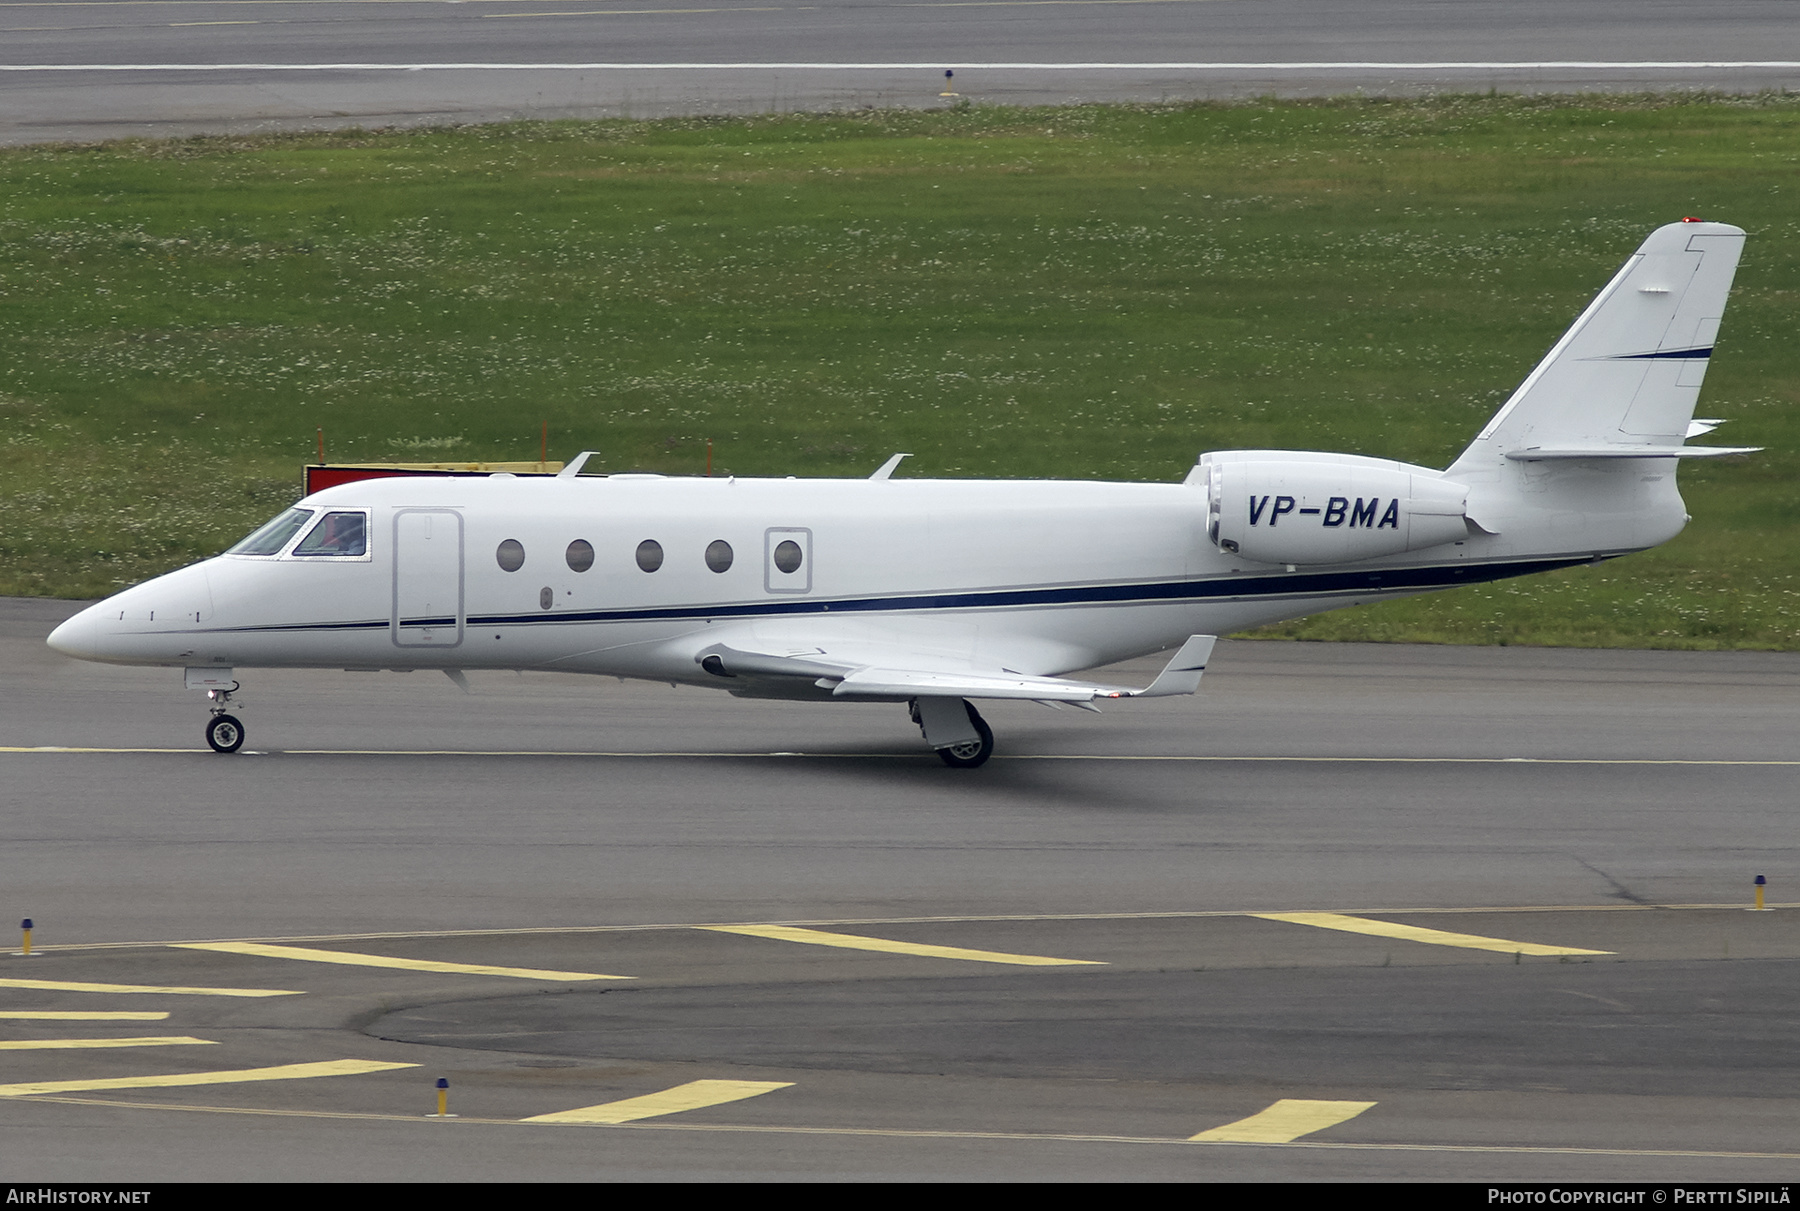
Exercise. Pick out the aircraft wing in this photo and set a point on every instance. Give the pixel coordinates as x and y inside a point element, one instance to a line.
<point>881,675</point>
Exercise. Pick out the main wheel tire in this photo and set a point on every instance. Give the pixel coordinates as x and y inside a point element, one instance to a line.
<point>225,734</point>
<point>968,756</point>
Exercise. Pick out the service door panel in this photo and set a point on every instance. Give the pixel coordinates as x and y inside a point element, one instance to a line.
<point>428,578</point>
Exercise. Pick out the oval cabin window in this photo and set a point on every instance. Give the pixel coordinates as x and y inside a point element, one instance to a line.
<point>649,555</point>
<point>787,557</point>
<point>580,555</point>
<point>718,555</point>
<point>510,555</point>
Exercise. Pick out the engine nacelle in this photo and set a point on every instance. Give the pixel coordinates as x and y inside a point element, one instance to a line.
<point>1304,508</point>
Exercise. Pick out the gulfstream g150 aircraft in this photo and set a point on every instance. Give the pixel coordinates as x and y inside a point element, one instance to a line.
<point>933,592</point>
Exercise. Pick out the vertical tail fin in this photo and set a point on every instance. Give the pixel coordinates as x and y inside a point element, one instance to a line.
<point>1627,373</point>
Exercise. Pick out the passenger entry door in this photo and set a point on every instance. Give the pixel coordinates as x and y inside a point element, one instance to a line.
<point>428,578</point>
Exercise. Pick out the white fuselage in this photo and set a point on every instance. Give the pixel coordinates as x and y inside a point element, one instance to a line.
<point>1037,577</point>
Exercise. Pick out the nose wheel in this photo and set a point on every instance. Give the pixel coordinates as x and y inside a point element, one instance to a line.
<point>224,731</point>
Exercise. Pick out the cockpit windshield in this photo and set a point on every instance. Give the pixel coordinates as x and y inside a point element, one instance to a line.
<point>343,533</point>
<point>271,538</point>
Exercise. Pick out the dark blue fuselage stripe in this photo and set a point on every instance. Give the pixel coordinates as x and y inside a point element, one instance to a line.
<point>1382,580</point>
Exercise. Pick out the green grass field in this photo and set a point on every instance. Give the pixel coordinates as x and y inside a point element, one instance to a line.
<point>1088,292</point>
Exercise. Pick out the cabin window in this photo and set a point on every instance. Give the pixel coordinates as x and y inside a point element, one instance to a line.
<point>718,555</point>
<point>272,537</point>
<point>580,555</point>
<point>344,533</point>
<point>649,555</point>
<point>787,556</point>
<point>510,555</point>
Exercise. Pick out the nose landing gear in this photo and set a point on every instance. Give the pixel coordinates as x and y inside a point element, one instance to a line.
<point>224,732</point>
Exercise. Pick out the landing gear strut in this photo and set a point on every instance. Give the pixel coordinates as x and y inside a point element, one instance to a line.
<point>955,729</point>
<point>224,732</point>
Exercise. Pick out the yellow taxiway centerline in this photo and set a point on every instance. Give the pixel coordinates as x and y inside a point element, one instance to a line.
<point>83,1015</point>
<point>1414,933</point>
<point>167,1040</point>
<point>1283,1123</point>
<point>164,989</point>
<point>281,1072</point>
<point>694,1095</point>
<point>979,1136</point>
<point>307,954</point>
<point>1198,914</point>
<point>847,941</point>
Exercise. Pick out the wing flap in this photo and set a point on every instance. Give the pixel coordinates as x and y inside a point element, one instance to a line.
<point>918,683</point>
<point>1180,676</point>
<point>892,672</point>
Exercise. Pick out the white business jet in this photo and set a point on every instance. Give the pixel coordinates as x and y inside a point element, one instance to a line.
<point>934,592</point>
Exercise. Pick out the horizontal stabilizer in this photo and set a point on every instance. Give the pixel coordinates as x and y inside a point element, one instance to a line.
<point>1613,451</point>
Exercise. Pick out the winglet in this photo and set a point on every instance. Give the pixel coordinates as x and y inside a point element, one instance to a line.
<point>1182,674</point>
<point>886,469</point>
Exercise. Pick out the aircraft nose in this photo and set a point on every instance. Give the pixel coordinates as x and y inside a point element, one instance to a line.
<point>75,637</point>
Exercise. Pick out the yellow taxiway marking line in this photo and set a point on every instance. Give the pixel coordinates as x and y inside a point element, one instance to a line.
<point>1415,933</point>
<point>694,1095</point>
<point>307,954</point>
<point>164,989</point>
<point>815,937</point>
<point>166,1040</point>
<point>281,1072</point>
<point>1283,1123</point>
<point>986,1136</point>
<point>1176,915</point>
<point>83,1015</point>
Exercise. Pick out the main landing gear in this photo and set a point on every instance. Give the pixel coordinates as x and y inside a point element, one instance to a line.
<point>224,732</point>
<point>955,729</point>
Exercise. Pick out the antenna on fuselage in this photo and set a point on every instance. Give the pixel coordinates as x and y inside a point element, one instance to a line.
<point>886,470</point>
<point>575,465</point>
